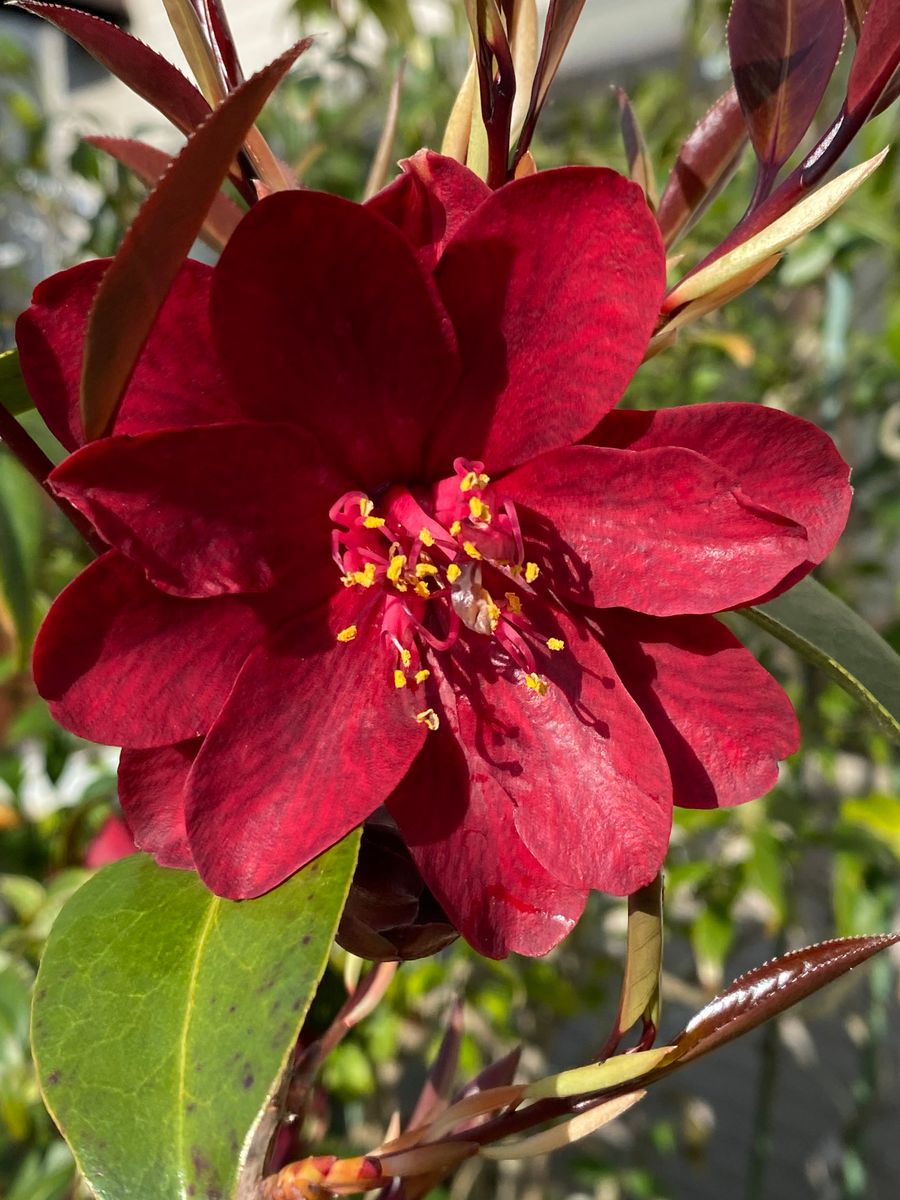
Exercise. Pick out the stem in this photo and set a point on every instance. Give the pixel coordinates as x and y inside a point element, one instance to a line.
<point>22,445</point>
<point>761,1140</point>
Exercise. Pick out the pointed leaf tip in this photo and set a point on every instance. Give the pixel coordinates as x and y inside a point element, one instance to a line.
<point>147,73</point>
<point>140,276</point>
<point>766,991</point>
<point>783,53</point>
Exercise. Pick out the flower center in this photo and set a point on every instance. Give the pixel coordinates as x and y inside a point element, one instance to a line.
<point>445,558</point>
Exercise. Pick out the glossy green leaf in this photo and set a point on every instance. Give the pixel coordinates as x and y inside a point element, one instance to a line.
<point>13,393</point>
<point>164,1016</point>
<point>830,634</point>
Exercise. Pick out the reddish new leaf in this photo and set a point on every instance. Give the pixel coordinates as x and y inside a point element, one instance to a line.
<point>856,14</point>
<point>640,164</point>
<point>783,53</point>
<point>703,166</point>
<point>212,14</point>
<point>562,17</point>
<point>140,68</point>
<point>766,991</point>
<point>872,86</point>
<point>139,278</point>
<point>150,164</point>
<point>496,83</point>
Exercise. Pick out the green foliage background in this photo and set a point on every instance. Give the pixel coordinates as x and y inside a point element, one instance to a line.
<point>821,854</point>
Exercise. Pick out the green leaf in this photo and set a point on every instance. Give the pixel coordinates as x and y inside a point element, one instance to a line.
<point>879,815</point>
<point>13,393</point>
<point>643,958</point>
<point>164,1016</point>
<point>21,533</point>
<point>829,634</point>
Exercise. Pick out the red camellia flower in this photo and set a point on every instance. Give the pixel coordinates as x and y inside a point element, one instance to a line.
<point>377,539</point>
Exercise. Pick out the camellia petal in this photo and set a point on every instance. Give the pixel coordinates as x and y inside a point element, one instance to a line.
<point>589,784</point>
<point>151,792</point>
<point>228,508</point>
<point>661,531</point>
<point>429,201</point>
<point>553,286</point>
<point>311,741</point>
<point>461,833</point>
<point>722,720</point>
<point>323,317</point>
<point>177,380</point>
<point>781,461</point>
<point>122,663</point>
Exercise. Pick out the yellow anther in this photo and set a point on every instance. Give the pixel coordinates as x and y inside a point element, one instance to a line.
<point>429,718</point>
<point>366,577</point>
<point>555,644</point>
<point>405,656</point>
<point>373,522</point>
<point>515,604</point>
<point>472,480</point>
<point>422,675</point>
<point>395,567</point>
<point>425,537</point>
<point>453,573</point>
<point>348,634</point>
<point>421,589</point>
<point>471,550</point>
<point>365,506</point>
<point>399,679</point>
<point>532,570</point>
<point>424,569</point>
<point>347,580</point>
<point>456,529</point>
<point>515,570</point>
<point>493,615</point>
<point>536,684</point>
<point>478,510</point>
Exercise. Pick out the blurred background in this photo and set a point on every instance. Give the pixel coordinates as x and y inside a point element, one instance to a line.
<point>808,1107</point>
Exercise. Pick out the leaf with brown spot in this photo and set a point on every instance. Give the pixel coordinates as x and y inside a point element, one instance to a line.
<point>152,251</point>
<point>703,167</point>
<point>783,53</point>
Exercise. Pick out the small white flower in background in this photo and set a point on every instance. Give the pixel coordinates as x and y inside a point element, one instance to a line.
<point>39,796</point>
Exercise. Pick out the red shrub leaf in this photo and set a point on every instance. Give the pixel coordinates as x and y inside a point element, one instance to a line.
<point>783,53</point>
<point>562,17</point>
<point>703,166</point>
<point>766,991</point>
<point>876,60</point>
<point>139,278</point>
<point>140,68</point>
<point>150,164</point>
